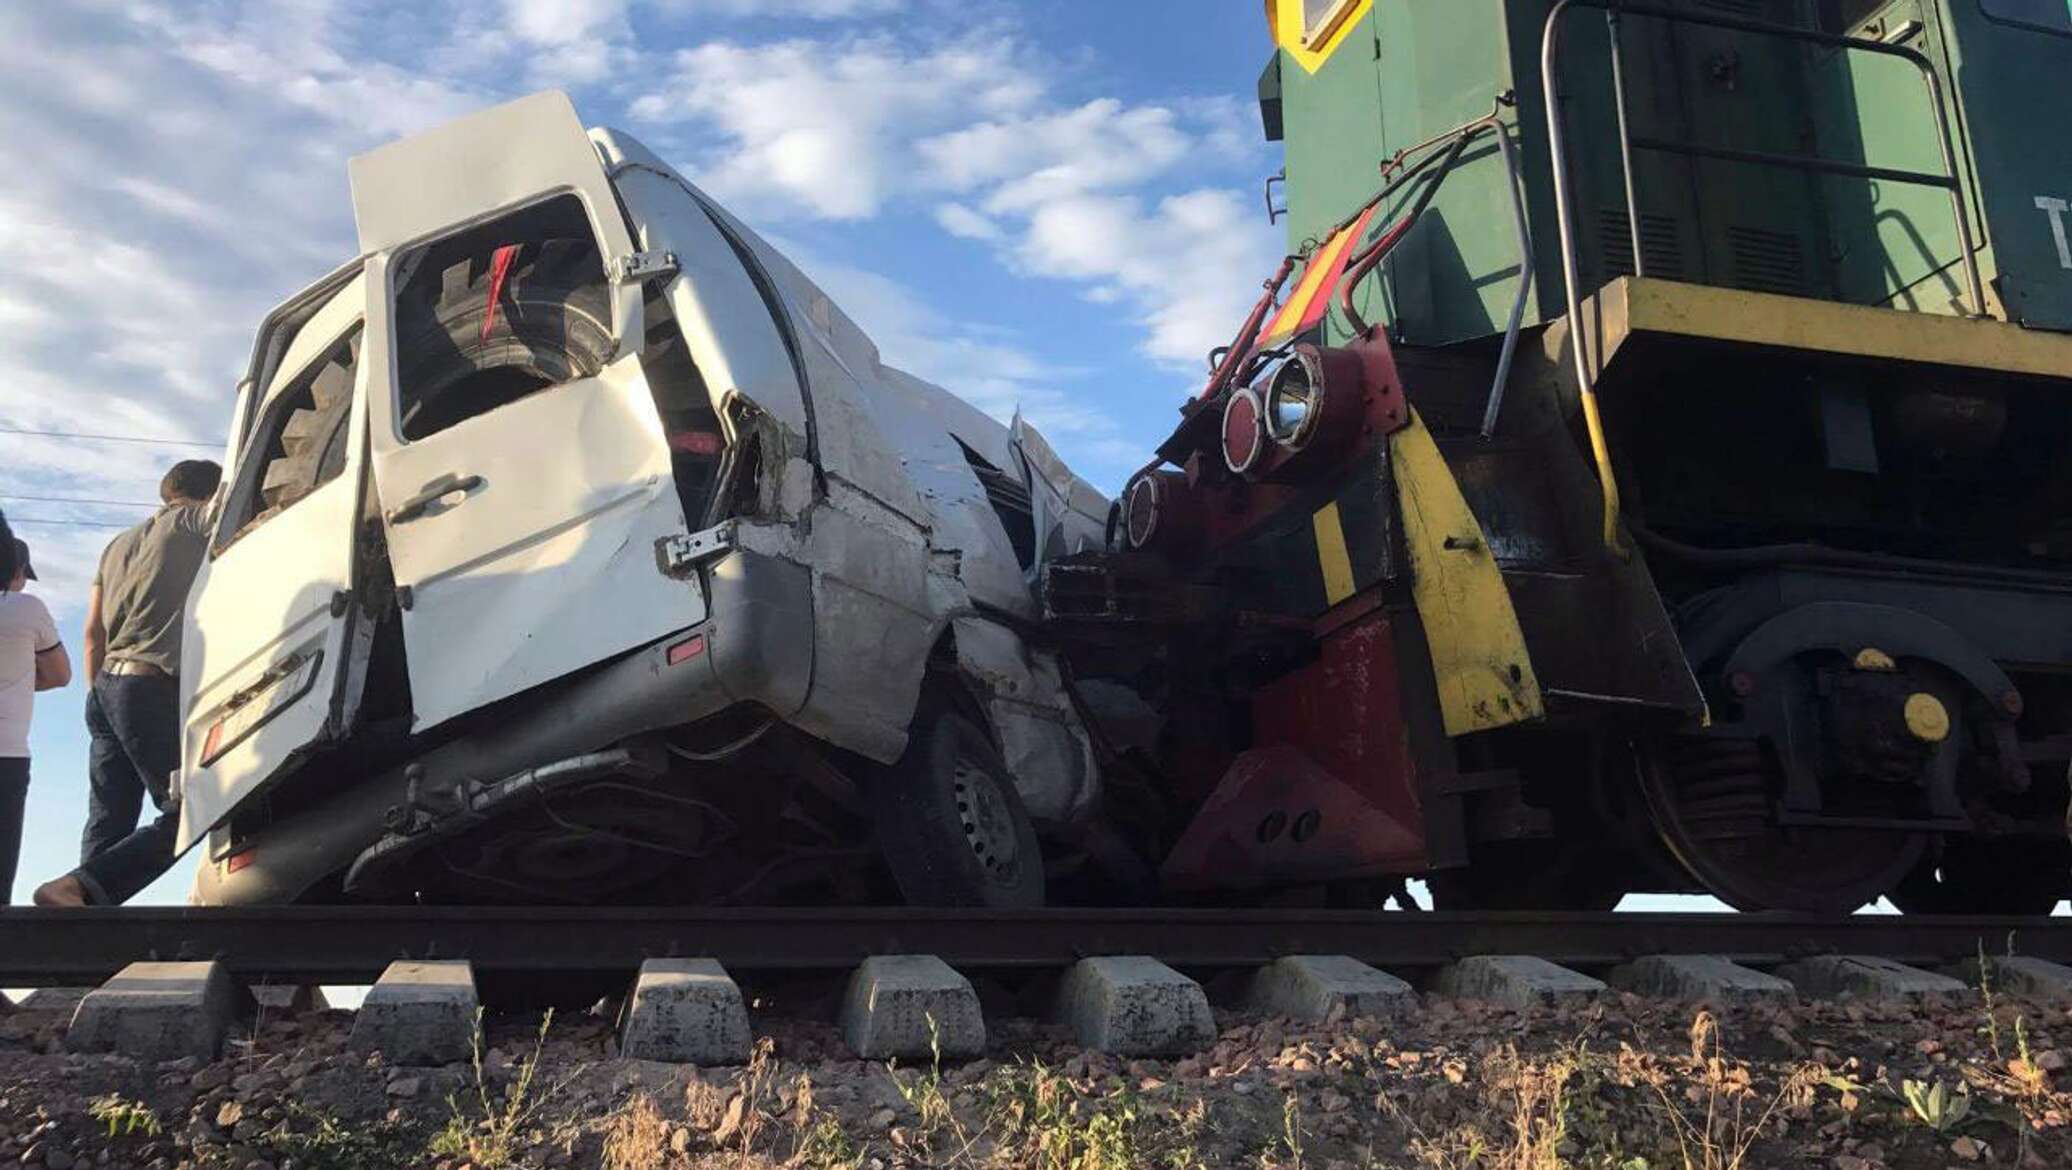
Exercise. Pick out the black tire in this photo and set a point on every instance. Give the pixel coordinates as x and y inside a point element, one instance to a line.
<point>952,827</point>
<point>312,437</point>
<point>552,325</point>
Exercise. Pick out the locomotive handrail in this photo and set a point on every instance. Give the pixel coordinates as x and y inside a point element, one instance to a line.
<point>1457,139</point>
<point>1550,44</point>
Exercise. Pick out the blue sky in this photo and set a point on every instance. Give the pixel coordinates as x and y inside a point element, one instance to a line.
<point>1053,206</point>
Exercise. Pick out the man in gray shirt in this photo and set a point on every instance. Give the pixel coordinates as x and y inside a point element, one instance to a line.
<point>133,620</point>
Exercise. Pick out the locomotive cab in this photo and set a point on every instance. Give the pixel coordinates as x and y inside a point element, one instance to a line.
<point>1644,474</point>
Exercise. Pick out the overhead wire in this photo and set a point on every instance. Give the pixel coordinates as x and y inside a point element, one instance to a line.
<point>7,430</point>
<point>79,500</point>
<point>72,523</point>
<point>87,501</point>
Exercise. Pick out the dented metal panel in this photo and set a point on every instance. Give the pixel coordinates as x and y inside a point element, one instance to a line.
<point>265,639</point>
<point>549,563</point>
<point>471,168</point>
<point>1040,736</point>
<point>725,320</point>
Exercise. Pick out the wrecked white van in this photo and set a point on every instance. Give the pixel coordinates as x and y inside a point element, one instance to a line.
<point>574,546</point>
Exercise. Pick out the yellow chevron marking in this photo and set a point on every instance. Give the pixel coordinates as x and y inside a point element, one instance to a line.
<point>1331,555</point>
<point>1285,19</point>
<point>1478,650</point>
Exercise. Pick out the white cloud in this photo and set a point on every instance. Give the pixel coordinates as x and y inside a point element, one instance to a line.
<point>828,127</point>
<point>1030,161</point>
<point>986,366</point>
<point>1189,265</point>
<point>964,223</point>
<point>564,22</point>
<point>846,128</point>
<point>806,9</point>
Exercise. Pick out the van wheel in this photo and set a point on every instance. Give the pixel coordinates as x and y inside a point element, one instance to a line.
<point>952,827</point>
<point>459,357</point>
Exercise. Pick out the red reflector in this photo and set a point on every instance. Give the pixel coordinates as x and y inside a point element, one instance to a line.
<point>238,861</point>
<point>687,649</point>
<point>695,442</point>
<point>1242,434</point>
<point>215,737</point>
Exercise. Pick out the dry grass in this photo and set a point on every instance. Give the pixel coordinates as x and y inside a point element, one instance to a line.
<point>637,1136</point>
<point>1524,1119</point>
<point>1722,1116</point>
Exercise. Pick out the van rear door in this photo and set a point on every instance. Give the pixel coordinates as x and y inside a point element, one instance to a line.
<point>524,476</point>
<point>270,628</point>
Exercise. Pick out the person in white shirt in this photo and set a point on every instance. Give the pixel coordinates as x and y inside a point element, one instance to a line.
<point>31,659</point>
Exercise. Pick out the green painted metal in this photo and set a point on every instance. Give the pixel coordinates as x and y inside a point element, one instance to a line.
<point>2007,79</point>
<point>1413,69</point>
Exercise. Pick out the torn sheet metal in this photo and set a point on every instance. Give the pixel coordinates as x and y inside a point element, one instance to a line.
<point>1046,748</point>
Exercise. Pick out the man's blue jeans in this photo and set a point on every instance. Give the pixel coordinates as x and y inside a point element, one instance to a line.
<point>134,720</point>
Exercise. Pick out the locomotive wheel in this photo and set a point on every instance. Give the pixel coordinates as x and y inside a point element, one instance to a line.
<point>951,824</point>
<point>1710,799</point>
<point>1988,876</point>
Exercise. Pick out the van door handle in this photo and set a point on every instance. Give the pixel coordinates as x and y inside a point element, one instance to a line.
<point>430,494</point>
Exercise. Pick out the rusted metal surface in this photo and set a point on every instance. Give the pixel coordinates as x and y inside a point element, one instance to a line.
<point>1330,788</point>
<point>353,944</point>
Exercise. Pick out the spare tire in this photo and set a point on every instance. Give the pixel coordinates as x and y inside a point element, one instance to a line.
<point>460,353</point>
<point>312,438</point>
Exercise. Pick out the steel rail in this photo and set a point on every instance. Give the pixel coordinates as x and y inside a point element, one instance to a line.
<point>49,947</point>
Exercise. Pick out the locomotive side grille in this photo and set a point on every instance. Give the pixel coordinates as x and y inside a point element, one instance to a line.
<point>1661,246</point>
<point>1767,261</point>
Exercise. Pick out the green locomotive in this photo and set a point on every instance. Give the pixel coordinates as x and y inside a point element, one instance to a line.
<point>1649,473</point>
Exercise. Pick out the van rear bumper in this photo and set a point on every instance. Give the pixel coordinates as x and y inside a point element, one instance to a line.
<point>758,648</point>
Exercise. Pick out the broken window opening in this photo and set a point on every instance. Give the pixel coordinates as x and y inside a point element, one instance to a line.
<point>300,442</point>
<point>697,442</point>
<point>1010,500</point>
<point>498,313</point>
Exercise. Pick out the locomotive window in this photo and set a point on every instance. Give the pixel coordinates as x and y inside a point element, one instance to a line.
<point>1321,17</point>
<point>2049,15</point>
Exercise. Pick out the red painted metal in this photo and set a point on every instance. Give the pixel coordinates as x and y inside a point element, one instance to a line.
<point>1230,507</point>
<point>1242,345</point>
<point>1330,752</point>
<point>1162,510</point>
<point>499,271</point>
<point>1243,437</point>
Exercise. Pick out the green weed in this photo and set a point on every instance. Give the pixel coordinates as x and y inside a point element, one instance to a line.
<point>493,1140</point>
<point>124,1116</point>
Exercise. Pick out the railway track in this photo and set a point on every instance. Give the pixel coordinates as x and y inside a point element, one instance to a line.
<point>1128,981</point>
<point>354,944</point>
